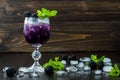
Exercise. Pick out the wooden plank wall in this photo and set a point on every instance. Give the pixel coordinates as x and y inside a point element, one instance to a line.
<point>81,25</point>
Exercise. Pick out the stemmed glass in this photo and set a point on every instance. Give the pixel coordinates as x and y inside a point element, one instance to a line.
<point>36,32</point>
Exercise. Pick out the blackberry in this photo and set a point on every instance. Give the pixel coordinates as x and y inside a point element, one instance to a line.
<point>64,57</point>
<point>34,15</point>
<point>72,57</point>
<point>49,70</point>
<point>93,65</point>
<point>10,72</point>
<point>27,14</point>
<point>100,65</point>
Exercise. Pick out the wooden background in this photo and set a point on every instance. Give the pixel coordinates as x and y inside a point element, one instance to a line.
<point>81,25</point>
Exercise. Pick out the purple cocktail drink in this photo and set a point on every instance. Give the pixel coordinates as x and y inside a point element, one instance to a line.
<point>36,31</point>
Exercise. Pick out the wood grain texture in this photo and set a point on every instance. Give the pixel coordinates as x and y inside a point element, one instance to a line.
<point>24,58</point>
<point>81,25</point>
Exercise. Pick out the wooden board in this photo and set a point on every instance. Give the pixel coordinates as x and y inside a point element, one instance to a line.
<point>81,25</point>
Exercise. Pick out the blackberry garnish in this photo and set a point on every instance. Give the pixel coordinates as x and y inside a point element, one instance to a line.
<point>27,14</point>
<point>34,15</point>
<point>49,70</point>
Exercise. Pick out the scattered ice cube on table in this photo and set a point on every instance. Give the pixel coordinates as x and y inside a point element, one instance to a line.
<point>80,65</point>
<point>108,64</point>
<point>60,73</point>
<point>71,69</point>
<point>106,60</point>
<point>87,68</point>
<point>107,68</point>
<point>23,69</point>
<point>64,62</point>
<point>98,71</point>
<point>73,62</point>
<point>20,74</point>
<point>5,68</point>
<point>85,59</point>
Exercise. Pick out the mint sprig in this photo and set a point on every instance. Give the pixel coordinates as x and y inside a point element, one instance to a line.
<point>95,58</point>
<point>45,13</point>
<point>56,64</point>
<point>115,71</point>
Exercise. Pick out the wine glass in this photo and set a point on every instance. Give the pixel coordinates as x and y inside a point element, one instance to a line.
<point>36,32</point>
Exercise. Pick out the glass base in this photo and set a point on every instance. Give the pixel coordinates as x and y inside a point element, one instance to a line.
<point>36,67</point>
<point>33,70</point>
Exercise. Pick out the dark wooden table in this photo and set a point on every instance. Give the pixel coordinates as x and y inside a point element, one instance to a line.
<point>13,59</point>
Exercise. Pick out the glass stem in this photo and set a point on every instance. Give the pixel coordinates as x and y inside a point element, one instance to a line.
<point>36,55</point>
<point>36,67</point>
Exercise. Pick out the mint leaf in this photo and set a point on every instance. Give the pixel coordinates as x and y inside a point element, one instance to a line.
<point>53,13</point>
<point>116,68</point>
<point>56,59</point>
<point>56,64</point>
<point>115,71</point>
<point>45,65</point>
<point>95,58</point>
<point>102,58</point>
<point>51,61</point>
<point>40,14</point>
<point>45,13</point>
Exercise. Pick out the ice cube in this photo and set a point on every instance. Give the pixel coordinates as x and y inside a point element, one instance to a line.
<point>98,71</point>
<point>87,68</point>
<point>107,68</point>
<point>81,65</point>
